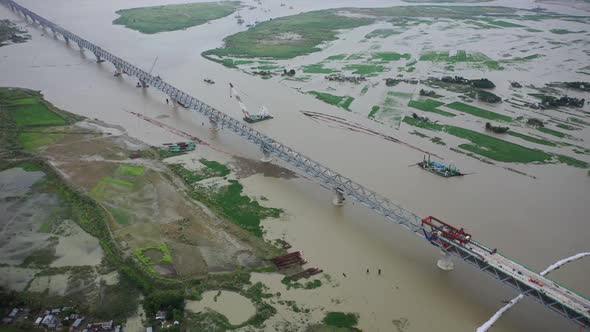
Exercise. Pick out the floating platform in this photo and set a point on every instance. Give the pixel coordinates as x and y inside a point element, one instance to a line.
<point>305,273</point>
<point>443,170</point>
<point>180,146</point>
<point>257,118</point>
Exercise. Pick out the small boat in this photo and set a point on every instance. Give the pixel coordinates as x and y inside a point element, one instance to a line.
<point>437,168</point>
<point>208,80</point>
<point>257,118</point>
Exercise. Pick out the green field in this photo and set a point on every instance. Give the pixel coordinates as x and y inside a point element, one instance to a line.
<point>381,33</point>
<point>531,138</point>
<point>552,132</point>
<point>479,112</point>
<point>174,17</point>
<point>563,31</point>
<point>391,56</point>
<point>429,105</point>
<point>336,57</point>
<point>339,101</point>
<point>291,36</point>
<point>317,68</point>
<point>364,69</point>
<point>374,111</point>
<point>130,170</point>
<point>35,114</point>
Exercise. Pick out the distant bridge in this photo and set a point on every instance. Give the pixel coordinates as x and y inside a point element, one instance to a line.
<point>567,303</point>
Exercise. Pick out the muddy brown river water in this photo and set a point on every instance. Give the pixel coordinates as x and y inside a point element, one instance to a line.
<point>534,221</point>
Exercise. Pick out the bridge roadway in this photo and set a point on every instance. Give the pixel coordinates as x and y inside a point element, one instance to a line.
<point>570,305</point>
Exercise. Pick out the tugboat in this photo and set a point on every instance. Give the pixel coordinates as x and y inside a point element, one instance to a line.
<point>439,169</point>
<point>262,115</point>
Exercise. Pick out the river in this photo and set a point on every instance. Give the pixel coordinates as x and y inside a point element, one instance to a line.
<point>534,221</point>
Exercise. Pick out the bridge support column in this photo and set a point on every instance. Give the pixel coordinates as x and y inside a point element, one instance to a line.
<point>445,262</point>
<point>98,59</point>
<point>174,102</point>
<point>214,124</point>
<point>142,84</point>
<point>338,198</point>
<point>266,157</point>
<point>67,40</point>
<point>118,71</point>
<point>81,48</point>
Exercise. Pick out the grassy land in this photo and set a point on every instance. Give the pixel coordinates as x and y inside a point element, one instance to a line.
<point>485,145</point>
<point>479,112</point>
<point>364,69</point>
<point>563,31</point>
<point>174,17</point>
<point>381,33</point>
<point>30,121</point>
<point>339,101</point>
<point>391,56</point>
<point>130,170</point>
<point>317,68</point>
<point>429,105</point>
<point>9,33</point>
<point>552,132</point>
<point>531,138</point>
<point>336,57</point>
<point>291,36</point>
<point>341,319</point>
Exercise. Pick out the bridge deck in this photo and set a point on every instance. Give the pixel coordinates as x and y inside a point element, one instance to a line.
<point>563,301</point>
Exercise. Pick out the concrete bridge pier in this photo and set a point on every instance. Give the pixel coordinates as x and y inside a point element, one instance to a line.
<point>81,48</point>
<point>118,71</point>
<point>214,124</point>
<point>174,102</point>
<point>266,157</point>
<point>67,40</point>
<point>445,262</point>
<point>98,58</point>
<point>338,198</point>
<point>143,84</point>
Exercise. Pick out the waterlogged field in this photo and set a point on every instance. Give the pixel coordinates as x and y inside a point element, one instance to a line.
<point>414,47</point>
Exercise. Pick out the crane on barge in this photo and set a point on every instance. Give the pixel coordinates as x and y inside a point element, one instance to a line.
<point>262,115</point>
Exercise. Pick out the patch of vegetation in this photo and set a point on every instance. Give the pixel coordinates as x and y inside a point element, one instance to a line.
<point>121,216</point>
<point>339,101</point>
<point>381,33</point>
<point>166,257</point>
<point>42,257</point>
<point>118,302</point>
<point>532,139</point>
<point>10,33</point>
<point>485,145</point>
<point>361,69</point>
<point>430,105</point>
<point>130,170</point>
<point>438,140</point>
<point>29,167</point>
<point>504,24</point>
<point>174,17</point>
<point>563,31</point>
<point>297,285</point>
<point>212,169</point>
<point>341,319</point>
<point>579,121</point>
<point>566,127</point>
<point>552,132</point>
<point>391,56</point>
<point>336,57</point>
<point>479,112</point>
<point>374,111</point>
<point>572,161</point>
<point>317,68</point>
<point>36,140</point>
<point>228,200</point>
<point>364,90</point>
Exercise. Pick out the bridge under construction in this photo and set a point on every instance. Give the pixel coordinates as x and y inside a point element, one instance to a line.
<point>451,241</point>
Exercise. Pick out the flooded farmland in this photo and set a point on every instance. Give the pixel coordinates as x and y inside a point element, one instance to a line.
<point>209,220</point>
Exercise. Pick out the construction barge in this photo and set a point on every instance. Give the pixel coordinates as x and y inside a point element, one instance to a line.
<point>437,168</point>
<point>180,146</point>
